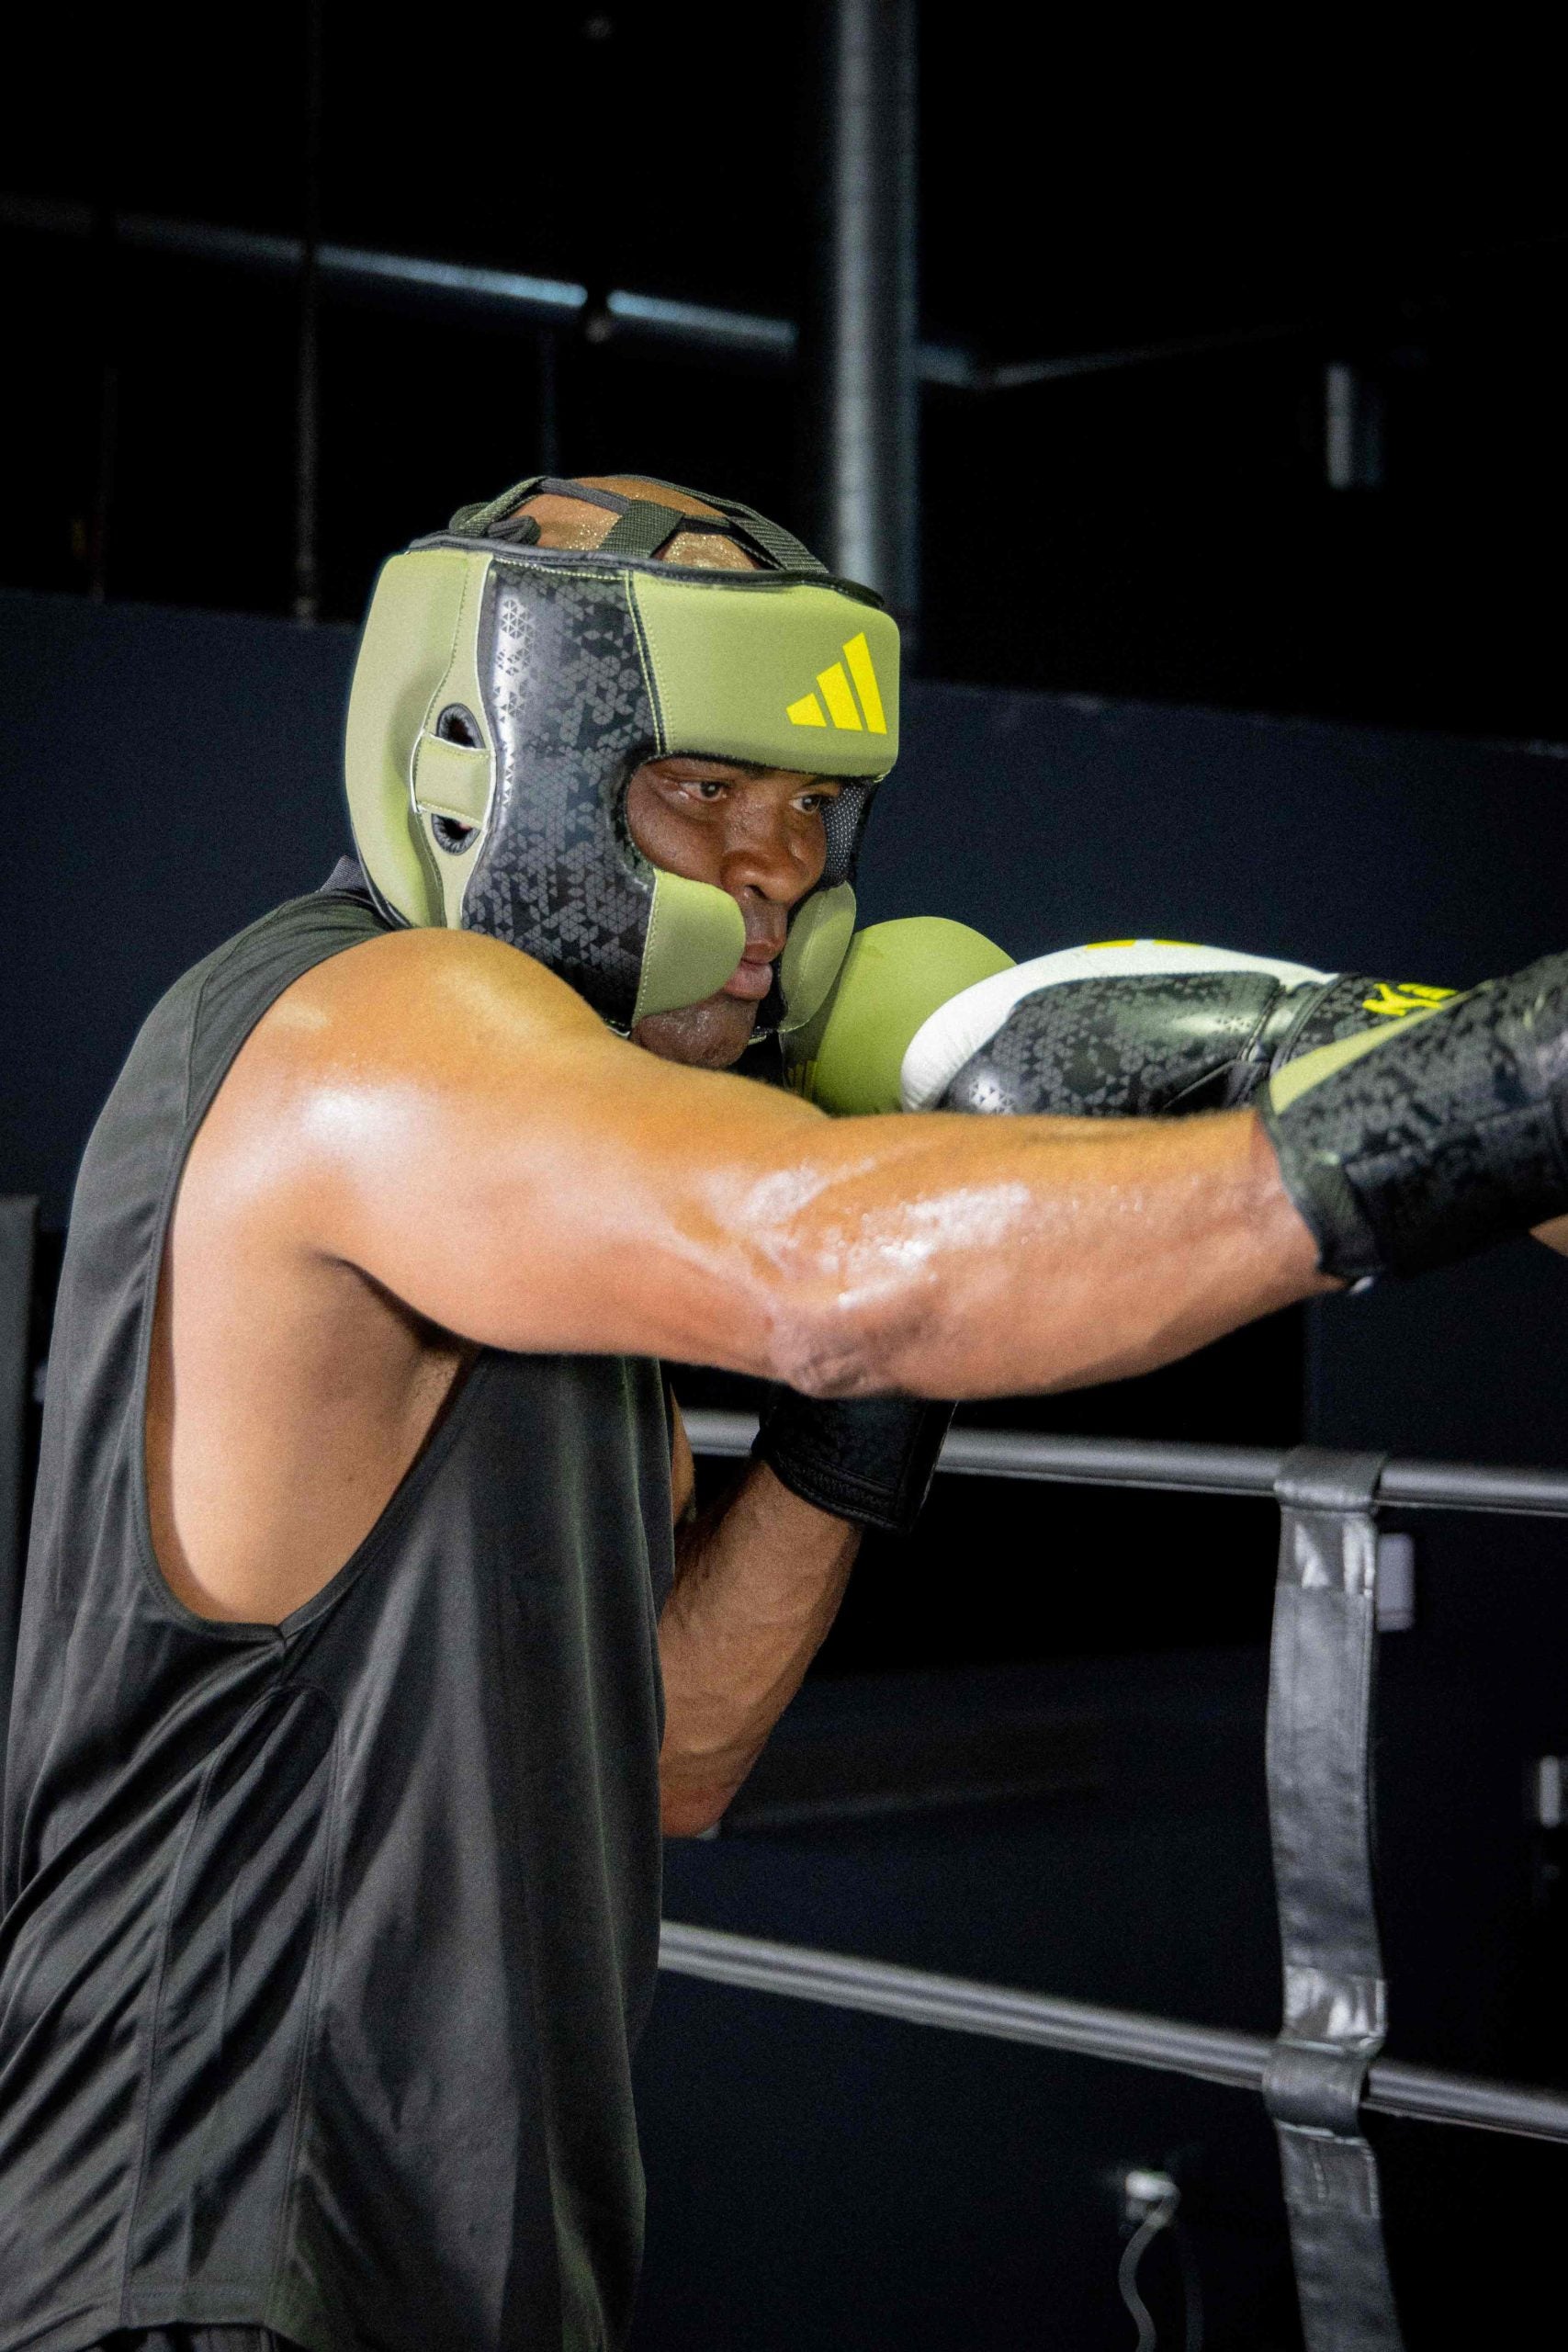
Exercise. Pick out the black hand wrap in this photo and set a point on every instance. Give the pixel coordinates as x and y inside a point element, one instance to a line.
<point>869,1459</point>
<point>1430,1140</point>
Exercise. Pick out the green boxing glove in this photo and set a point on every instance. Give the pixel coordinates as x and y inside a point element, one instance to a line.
<point>1136,1028</point>
<point>894,977</point>
<point>928,1014</point>
<point>870,1460</point>
<point>1407,1150</point>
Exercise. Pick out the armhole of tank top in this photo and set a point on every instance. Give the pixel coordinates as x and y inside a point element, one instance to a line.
<point>196,1108</point>
<point>404,1496</point>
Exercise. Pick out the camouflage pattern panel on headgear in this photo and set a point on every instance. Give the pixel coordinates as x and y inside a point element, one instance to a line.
<point>569,705</point>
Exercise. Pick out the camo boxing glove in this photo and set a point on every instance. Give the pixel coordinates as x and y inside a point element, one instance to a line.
<point>1412,1125</point>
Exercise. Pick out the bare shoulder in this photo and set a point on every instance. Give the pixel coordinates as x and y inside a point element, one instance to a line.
<point>393,1050</point>
<point>408,992</point>
<point>436,1113</point>
<point>440,1015</point>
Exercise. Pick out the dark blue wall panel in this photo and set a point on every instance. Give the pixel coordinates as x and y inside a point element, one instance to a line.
<point>168,776</point>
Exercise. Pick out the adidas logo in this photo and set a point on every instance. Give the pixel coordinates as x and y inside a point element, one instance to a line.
<point>840,697</point>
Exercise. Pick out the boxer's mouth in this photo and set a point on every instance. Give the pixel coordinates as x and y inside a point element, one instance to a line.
<point>754,976</point>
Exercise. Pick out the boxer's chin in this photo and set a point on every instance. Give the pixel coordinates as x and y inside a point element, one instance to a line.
<point>710,1036</point>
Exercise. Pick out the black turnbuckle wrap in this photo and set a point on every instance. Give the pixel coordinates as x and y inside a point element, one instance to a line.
<point>1320,1695</point>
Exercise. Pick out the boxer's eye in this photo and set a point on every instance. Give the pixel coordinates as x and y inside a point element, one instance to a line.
<point>703,789</point>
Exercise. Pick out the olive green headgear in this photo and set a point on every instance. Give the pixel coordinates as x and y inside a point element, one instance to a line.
<point>505,693</point>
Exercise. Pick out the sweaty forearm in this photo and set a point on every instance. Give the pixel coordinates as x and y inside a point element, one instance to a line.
<point>972,1258</point>
<point>758,1583</point>
<point>607,1202</point>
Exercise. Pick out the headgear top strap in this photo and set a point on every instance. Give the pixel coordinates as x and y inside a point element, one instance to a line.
<point>644,526</point>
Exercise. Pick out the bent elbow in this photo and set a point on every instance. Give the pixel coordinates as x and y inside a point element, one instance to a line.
<point>851,1305</point>
<point>840,1349</point>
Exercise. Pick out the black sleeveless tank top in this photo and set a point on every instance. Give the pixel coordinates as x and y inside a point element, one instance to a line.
<point>324,1944</point>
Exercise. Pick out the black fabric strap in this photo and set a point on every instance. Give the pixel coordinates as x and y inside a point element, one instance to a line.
<point>779,546</point>
<point>478,521</point>
<point>643,527</point>
<point>473,521</point>
<point>1320,1696</point>
<point>615,501</point>
<point>646,527</point>
<point>769,540</point>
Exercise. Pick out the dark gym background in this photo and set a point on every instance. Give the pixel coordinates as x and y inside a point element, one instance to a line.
<point>1239,466</point>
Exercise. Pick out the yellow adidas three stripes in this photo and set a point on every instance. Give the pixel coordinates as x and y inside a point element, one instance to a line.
<point>842,711</point>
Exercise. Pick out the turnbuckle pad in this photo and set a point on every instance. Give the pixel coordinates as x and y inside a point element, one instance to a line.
<point>1322,1670</point>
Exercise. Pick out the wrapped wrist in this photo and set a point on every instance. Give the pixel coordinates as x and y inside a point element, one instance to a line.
<point>866,1459</point>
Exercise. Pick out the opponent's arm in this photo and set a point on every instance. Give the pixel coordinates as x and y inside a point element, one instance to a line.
<point>438,1111</point>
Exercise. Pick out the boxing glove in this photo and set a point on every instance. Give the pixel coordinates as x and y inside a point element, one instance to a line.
<point>1140,1027</point>
<point>918,999</point>
<point>870,1460</point>
<point>1412,1126</point>
<point>1407,1148</point>
<point>848,1057</point>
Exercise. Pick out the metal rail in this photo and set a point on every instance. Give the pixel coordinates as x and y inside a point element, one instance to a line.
<point>1176,1469</point>
<point>546,300</point>
<point>561,299</point>
<point>1210,2054</point>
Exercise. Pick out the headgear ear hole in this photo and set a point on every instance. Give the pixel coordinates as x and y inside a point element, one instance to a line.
<point>457,724</point>
<point>449,835</point>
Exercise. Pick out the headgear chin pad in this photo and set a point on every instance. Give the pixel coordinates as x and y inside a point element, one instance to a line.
<point>504,695</point>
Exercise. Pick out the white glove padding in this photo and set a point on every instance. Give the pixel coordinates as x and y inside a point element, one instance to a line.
<point>967,1022</point>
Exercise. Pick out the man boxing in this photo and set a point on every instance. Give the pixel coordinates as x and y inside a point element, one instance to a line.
<point>360,1666</point>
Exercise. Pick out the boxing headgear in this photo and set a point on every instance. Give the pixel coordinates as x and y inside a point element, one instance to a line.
<point>505,693</point>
